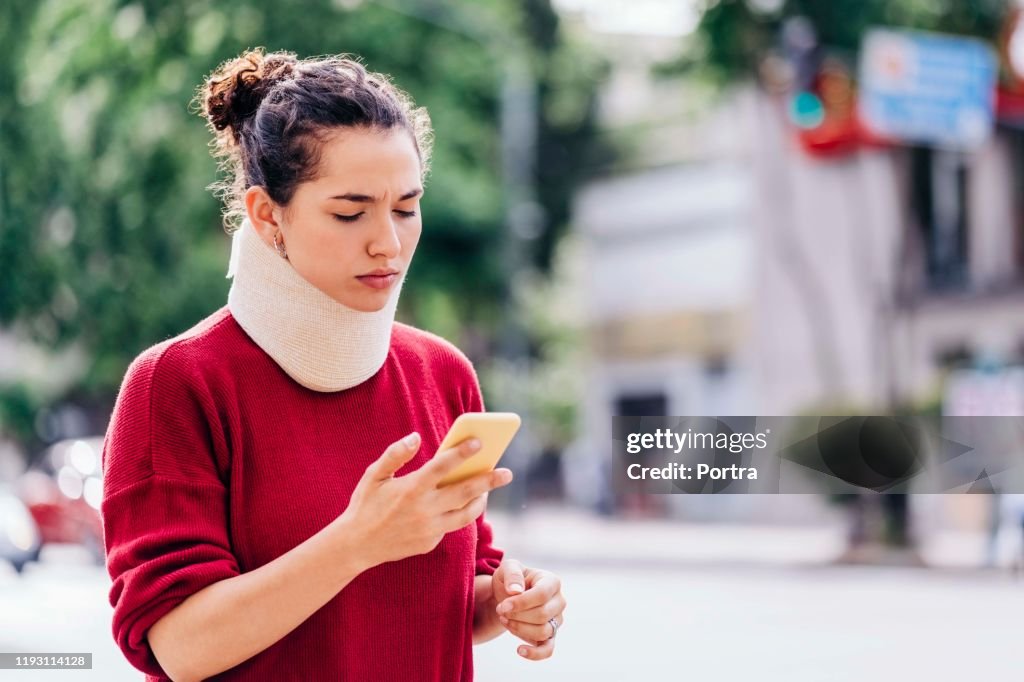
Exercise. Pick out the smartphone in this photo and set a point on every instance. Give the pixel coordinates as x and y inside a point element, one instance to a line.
<point>494,430</point>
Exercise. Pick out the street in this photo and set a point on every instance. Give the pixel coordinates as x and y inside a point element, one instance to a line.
<point>797,625</point>
<point>689,621</point>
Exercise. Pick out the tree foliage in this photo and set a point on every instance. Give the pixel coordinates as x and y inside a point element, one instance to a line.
<point>733,34</point>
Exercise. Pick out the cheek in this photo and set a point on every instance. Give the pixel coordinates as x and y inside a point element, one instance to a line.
<point>323,246</point>
<point>330,251</point>
<point>411,237</point>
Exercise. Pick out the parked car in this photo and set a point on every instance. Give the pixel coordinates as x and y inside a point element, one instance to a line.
<point>20,540</point>
<point>63,494</point>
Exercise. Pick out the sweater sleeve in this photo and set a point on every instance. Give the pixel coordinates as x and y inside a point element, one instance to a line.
<point>488,557</point>
<point>165,506</point>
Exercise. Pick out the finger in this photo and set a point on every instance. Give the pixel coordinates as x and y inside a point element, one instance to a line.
<point>397,454</point>
<point>445,461</point>
<point>538,652</point>
<point>461,518</point>
<point>513,575</point>
<point>539,615</point>
<point>544,586</point>
<point>531,633</point>
<point>458,495</point>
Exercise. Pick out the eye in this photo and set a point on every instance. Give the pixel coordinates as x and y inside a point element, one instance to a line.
<point>406,214</point>
<point>348,218</point>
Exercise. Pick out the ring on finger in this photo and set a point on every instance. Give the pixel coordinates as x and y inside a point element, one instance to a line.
<point>553,622</point>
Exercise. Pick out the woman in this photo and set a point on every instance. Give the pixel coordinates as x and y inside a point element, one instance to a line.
<point>271,509</point>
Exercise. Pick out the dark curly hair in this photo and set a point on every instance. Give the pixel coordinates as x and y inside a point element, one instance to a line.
<point>270,114</point>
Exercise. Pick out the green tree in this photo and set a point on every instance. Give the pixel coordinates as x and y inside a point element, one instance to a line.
<point>733,34</point>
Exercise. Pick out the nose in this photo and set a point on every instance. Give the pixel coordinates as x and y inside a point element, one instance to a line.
<point>385,241</point>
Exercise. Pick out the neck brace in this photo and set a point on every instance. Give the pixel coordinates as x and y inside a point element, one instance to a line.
<point>319,342</point>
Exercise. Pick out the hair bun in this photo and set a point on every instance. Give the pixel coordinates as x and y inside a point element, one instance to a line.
<point>233,92</point>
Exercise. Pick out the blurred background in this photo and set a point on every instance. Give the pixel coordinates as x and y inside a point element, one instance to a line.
<point>661,207</point>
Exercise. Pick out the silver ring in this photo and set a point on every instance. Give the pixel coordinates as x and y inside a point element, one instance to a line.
<point>554,627</point>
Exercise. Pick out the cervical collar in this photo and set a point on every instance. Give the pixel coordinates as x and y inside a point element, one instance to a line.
<point>319,342</point>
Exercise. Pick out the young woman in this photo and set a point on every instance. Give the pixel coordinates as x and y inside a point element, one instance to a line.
<point>271,509</point>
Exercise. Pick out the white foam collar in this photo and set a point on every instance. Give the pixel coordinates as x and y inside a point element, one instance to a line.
<point>319,342</point>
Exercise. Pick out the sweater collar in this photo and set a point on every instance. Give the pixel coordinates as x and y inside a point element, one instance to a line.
<point>320,343</point>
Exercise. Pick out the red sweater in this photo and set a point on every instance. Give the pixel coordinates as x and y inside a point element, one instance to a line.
<point>216,462</point>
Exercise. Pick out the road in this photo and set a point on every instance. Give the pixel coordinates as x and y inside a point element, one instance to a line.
<point>624,623</point>
<point>786,624</point>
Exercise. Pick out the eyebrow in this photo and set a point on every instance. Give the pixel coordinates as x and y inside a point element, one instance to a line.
<point>367,199</point>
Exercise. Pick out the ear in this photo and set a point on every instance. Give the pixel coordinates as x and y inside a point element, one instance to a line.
<point>264,214</point>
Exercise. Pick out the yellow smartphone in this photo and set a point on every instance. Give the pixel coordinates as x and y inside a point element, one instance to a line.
<point>494,430</point>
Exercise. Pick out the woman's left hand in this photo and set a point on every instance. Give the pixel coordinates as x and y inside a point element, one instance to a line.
<point>527,599</point>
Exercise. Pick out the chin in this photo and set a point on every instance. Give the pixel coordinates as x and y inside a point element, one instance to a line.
<point>364,304</point>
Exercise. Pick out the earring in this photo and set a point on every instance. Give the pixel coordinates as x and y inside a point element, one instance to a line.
<point>280,246</point>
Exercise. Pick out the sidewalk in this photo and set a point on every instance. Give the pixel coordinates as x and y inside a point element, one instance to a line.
<point>571,536</point>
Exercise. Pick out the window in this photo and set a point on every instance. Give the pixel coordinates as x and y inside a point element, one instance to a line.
<point>953,356</point>
<point>1015,140</point>
<point>939,202</point>
<point>641,405</point>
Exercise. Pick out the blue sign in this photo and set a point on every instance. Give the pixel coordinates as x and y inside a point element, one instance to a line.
<point>927,88</point>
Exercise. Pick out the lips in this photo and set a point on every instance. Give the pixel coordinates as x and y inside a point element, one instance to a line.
<point>379,281</point>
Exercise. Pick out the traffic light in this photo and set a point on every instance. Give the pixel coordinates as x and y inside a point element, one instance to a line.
<point>824,113</point>
<point>822,95</point>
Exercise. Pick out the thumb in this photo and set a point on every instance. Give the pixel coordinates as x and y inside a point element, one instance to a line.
<point>397,454</point>
<point>513,576</point>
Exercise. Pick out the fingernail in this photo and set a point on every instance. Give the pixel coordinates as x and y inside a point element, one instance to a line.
<point>504,476</point>
<point>503,620</point>
<point>505,608</point>
<point>515,587</point>
<point>522,651</point>
<point>474,444</point>
<point>411,440</point>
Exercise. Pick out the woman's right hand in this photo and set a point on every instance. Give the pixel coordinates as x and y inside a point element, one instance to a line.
<point>398,517</point>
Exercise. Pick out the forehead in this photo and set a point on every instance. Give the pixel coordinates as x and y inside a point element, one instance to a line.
<point>367,160</point>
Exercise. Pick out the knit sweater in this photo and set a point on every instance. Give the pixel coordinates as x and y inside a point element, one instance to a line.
<point>216,462</point>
